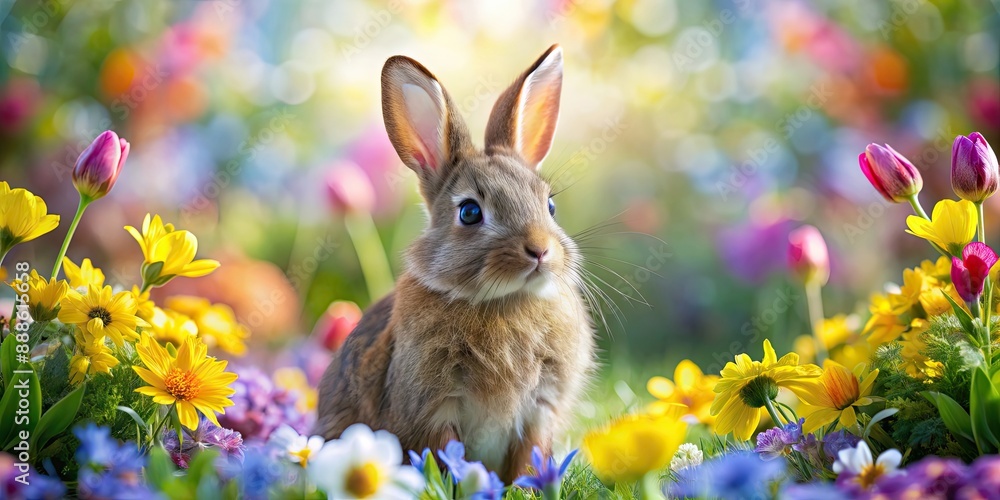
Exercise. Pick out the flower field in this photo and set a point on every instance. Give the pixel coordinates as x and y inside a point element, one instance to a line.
<point>785,214</point>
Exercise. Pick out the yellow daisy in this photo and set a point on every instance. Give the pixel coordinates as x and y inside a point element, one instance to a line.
<point>152,229</point>
<point>690,387</point>
<point>952,225</point>
<point>84,275</point>
<point>91,356</point>
<point>143,304</point>
<point>835,394</point>
<point>853,353</point>
<point>168,253</point>
<point>217,324</point>
<point>171,326</point>
<point>193,381</point>
<point>102,313</point>
<point>23,217</point>
<point>884,325</point>
<point>43,296</point>
<point>909,293</point>
<point>746,386</point>
<point>628,448</point>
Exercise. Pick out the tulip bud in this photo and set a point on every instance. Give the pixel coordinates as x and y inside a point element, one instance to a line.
<point>807,255</point>
<point>974,170</point>
<point>970,272</point>
<point>336,324</point>
<point>350,189</point>
<point>97,168</point>
<point>892,175</point>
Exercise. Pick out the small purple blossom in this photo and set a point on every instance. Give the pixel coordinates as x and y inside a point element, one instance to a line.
<point>259,407</point>
<point>931,477</point>
<point>546,471</point>
<point>228,442</point>
<point>778,441</point>
<point>836,441</point>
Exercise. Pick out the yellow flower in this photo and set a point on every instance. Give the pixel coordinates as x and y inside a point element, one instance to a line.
<point>91,356</point>
<point>292,379</point>
<point>84,275</point>
<point>939,270</point>
<point>43,296</point>
<point>23,217</point>
<point>101,313</point>
<point>952,225</point>
<point>172,327</point>
<point>217,324</point>
<point>746,385</point>
<point>835,332</point>
<point>835,394</point>
<point>628,448</point>
<point>690,387</point>
<point>914,361</point>
<point>884,325</point>
<point>909,293</point>
<point>934,302</point>
<point>143,305</point>
<point>854,353</point>
<point>193,381</point>
<point>168,252</point>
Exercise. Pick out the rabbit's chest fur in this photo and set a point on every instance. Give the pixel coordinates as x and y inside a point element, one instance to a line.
<point>496,371</point>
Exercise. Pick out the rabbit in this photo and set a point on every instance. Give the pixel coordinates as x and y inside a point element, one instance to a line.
<point>486,338</point>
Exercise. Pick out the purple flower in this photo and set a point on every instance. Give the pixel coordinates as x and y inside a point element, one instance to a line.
<point>734,475</point>
<point>974,170</point>
<point>836,441</point>
<point>778,441</point>
<point>108,469</point>
<point>99,165</point>
<point>892,175</point>
<point>970,272</point>
<point>208,435</point>
<point>418,461</point>
<point>19,483</point>
<point>259,407</point>
<point>546,472</point>
<point>932,477</point>
<point>491,488</point>
<point>811,491</point>
<point>983,479</point>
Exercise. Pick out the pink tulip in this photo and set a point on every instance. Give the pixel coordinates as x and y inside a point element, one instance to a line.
<point>336,324</point>
<point>807,255</point>
<point>892,175</point>
<point>349,188</point>
<point>970,272</point>
<point>99,165</point>
<point>974,170</point>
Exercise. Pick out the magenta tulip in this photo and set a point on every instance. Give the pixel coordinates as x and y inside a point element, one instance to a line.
<point>974,170</point>
<point>99,165</point>
<point>892,175</point>
<point>970,272</point>
<point>808,258</point>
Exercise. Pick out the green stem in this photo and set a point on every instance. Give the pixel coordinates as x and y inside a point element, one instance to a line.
<point>84,201</point>
<point>814,301</point>
<point>649,487</point>
<point>783,414</point>
<point>4,256</point>
<point>159,425</point>
<point>988,306</point>
<point>774,413</point>
<point>371,254</point>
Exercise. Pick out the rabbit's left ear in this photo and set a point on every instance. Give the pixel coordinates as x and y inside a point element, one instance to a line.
<point>525,115</point>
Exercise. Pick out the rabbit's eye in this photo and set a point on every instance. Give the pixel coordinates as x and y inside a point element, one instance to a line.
<point>470,213</point>
<point>552,207</point>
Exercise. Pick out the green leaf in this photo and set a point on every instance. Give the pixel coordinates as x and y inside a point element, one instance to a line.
<point>982,392</point>
<point>8,359</point>
<point>11,403</point>
<point>57,418</point>
<point>956,419</point>
<point>963,317</point>
<point>159,469</point>
<point>202,465</point>
<point>878,417</point>
<point>135,416</point>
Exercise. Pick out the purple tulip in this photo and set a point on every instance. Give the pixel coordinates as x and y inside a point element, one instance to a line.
<point>892,175</point>
<point>969,273</point>
<point>974,171</point>
<point>97,168</point>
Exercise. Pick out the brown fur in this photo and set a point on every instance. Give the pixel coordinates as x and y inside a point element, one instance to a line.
<point>480,341</point>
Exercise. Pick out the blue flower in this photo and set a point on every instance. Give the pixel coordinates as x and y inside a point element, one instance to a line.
<point>735,475</point>
<point>258,471</point>
<point>453,457</point>
<point>108,469</point>
<point>39,486</point>
<point>546,472</point>
<point>836,441</point>
<point>775,443</point>
<point>479,484</point>
<point>96,445</point>
<point>417,461</point>
<point>812,491</point>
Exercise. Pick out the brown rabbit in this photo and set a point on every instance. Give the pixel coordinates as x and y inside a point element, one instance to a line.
<point>486,338</point>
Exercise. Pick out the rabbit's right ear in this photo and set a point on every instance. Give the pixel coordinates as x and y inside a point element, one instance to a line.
<point>419,118</point>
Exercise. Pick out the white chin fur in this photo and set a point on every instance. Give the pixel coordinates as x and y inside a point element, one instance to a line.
<point>542,286</point>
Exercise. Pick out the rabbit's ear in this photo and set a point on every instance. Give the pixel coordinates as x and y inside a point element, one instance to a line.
<point>419,118</point>
<point>524,117</point>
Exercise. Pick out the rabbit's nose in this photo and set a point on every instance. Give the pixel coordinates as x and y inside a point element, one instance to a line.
<point>536,251</point>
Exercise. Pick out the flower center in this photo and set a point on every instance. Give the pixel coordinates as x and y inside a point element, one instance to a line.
<point>303,455</point>
<point>758,391</point>
<point>842,386</point>
<point>182,385</point>
<point>363,480</point>
<point>101,314</point>
<point>869,474</point>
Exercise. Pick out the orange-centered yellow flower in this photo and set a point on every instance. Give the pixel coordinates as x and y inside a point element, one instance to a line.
<point>690,387</point>
<point>102,313</point>
<point>835,394</point>
<point>23,217</point>
<point>193,381</point>
<point>747,386</point>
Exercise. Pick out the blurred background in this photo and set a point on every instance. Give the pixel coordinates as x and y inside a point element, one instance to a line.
<point>693,135</point>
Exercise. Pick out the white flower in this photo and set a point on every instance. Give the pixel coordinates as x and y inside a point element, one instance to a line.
<point>688,455</point>
<point>297,448</point>
<point>858,462</point>
<point>364,464</point>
